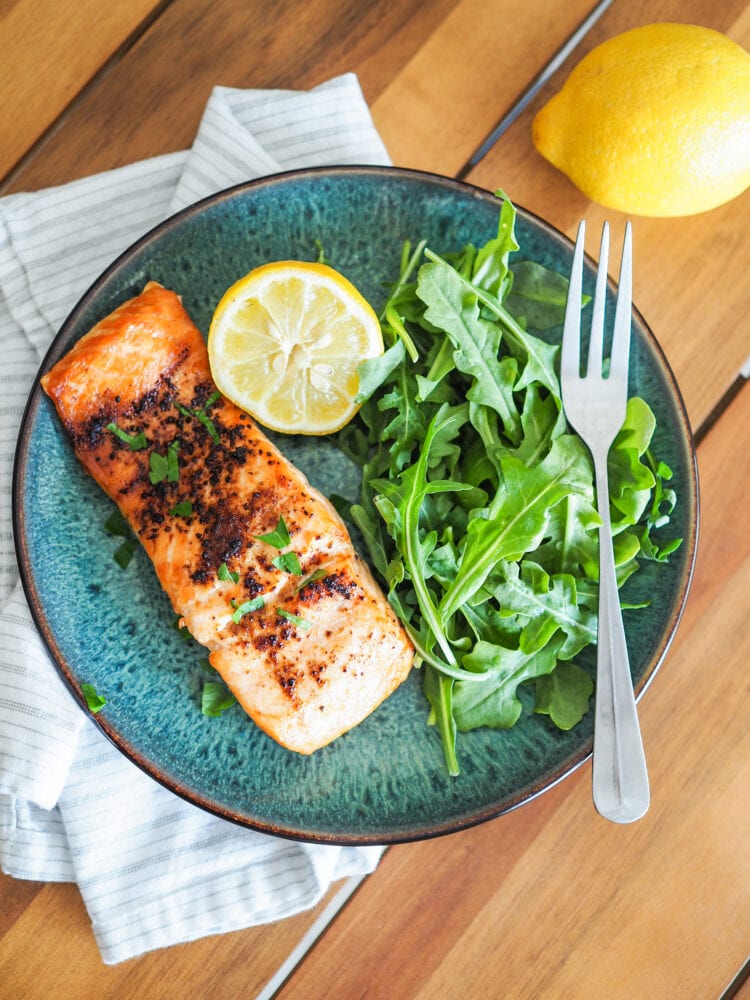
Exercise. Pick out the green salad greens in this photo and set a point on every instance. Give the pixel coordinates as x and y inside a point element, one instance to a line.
<point>477,500</point>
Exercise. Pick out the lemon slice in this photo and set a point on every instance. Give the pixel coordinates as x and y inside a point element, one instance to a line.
<point>285,342</point>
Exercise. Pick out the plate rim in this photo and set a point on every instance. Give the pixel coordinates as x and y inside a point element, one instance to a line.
<point>59,346</point>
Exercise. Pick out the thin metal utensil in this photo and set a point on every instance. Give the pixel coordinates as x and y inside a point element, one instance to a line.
<point>595,406</point>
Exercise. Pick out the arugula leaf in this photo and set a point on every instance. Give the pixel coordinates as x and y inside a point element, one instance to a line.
<point>539,357</point>
<point>400,504</point>
<point>476,342</point>
<point>490,264</point>
<point>538,295</point>
<point>396,323</point>
<point>401,297</point>
<point>373,372</point>
<point>564,695</point>
<point>495,703</point>
<point>370,527</point>
<point>321,258</point>
<point>572,544</point>
<point>542,420</point>
<point>441,365</point>
<point>438,690</point>
<point>630,478</point>
<point>518,516</point>
<point>408,425</point>
<point>477,501</point>
<point>547,604</point>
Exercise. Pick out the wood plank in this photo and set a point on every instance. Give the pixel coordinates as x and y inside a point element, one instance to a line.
<point>525,906</point>
<point>15,896</point>
<point>690,256</point>
<point>151,102</point>
<point>51,920</point>
<point>553,901</point>
<point>449,97</point>
<point>740,989</point>
<point>49,55</point>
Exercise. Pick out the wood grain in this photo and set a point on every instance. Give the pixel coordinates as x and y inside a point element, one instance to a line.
<point>51,921</point>
<point>549,901</point>
<point>552,901</point>
<point>49,53</point>
<point>151,102</point>
<point>700,322</point>
<point>451,94</point>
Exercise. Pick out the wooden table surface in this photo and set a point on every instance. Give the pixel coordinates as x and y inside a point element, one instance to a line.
<point>549,901</point>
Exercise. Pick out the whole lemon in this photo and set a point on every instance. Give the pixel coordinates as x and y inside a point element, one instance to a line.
<point>654,121</point>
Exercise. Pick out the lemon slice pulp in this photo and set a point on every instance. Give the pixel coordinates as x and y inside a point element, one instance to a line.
<point>285,342</point>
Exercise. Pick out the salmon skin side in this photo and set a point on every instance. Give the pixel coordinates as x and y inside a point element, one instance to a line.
<point>304,679</point>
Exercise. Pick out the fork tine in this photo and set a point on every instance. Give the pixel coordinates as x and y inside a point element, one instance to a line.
<point>596,339</point>
<point>623,310</point>
<point>570,360</point>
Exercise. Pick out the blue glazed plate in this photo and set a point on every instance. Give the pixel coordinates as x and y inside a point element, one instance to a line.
<point>385,781</point>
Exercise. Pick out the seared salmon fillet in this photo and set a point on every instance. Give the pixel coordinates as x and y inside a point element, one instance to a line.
<point>307,654</point>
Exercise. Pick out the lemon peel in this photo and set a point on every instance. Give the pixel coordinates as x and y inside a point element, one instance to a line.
<point>654,121</point>
<point>284,345</point>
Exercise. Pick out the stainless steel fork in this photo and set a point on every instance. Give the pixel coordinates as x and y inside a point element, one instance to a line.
<point>595,406</point>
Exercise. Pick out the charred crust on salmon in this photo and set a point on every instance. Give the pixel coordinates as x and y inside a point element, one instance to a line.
<point>145,369</point>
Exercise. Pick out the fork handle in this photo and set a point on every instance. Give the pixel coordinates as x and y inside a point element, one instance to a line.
<point>620,778</point>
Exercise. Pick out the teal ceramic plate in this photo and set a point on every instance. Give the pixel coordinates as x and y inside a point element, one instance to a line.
<point>386,780</point>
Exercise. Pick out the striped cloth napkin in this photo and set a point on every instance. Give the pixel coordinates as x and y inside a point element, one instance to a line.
<point>152,869</point>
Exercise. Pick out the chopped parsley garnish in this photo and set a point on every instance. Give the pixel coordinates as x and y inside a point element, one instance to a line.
<point>158,467</point>
<point>124,554</point>
<point>317,574</point>
<point>94,701</point>
<point>134,441</point>
<point>294,619</point>
<point>245,608</point>
<point>173,468</point>
<point>225,573</point>
<point>215,699</point>
<point>117,525</point>
<point>202,416</point>
<point>182,509</point>
<point>288,562</point>
<point>165,466</point>
<point>182,629</point>
<point>279,537</point>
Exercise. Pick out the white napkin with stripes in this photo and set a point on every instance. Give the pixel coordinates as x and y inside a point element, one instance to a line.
<point>152,869</point>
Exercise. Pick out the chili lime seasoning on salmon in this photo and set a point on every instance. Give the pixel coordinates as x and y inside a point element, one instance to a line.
<point>308,645</point>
